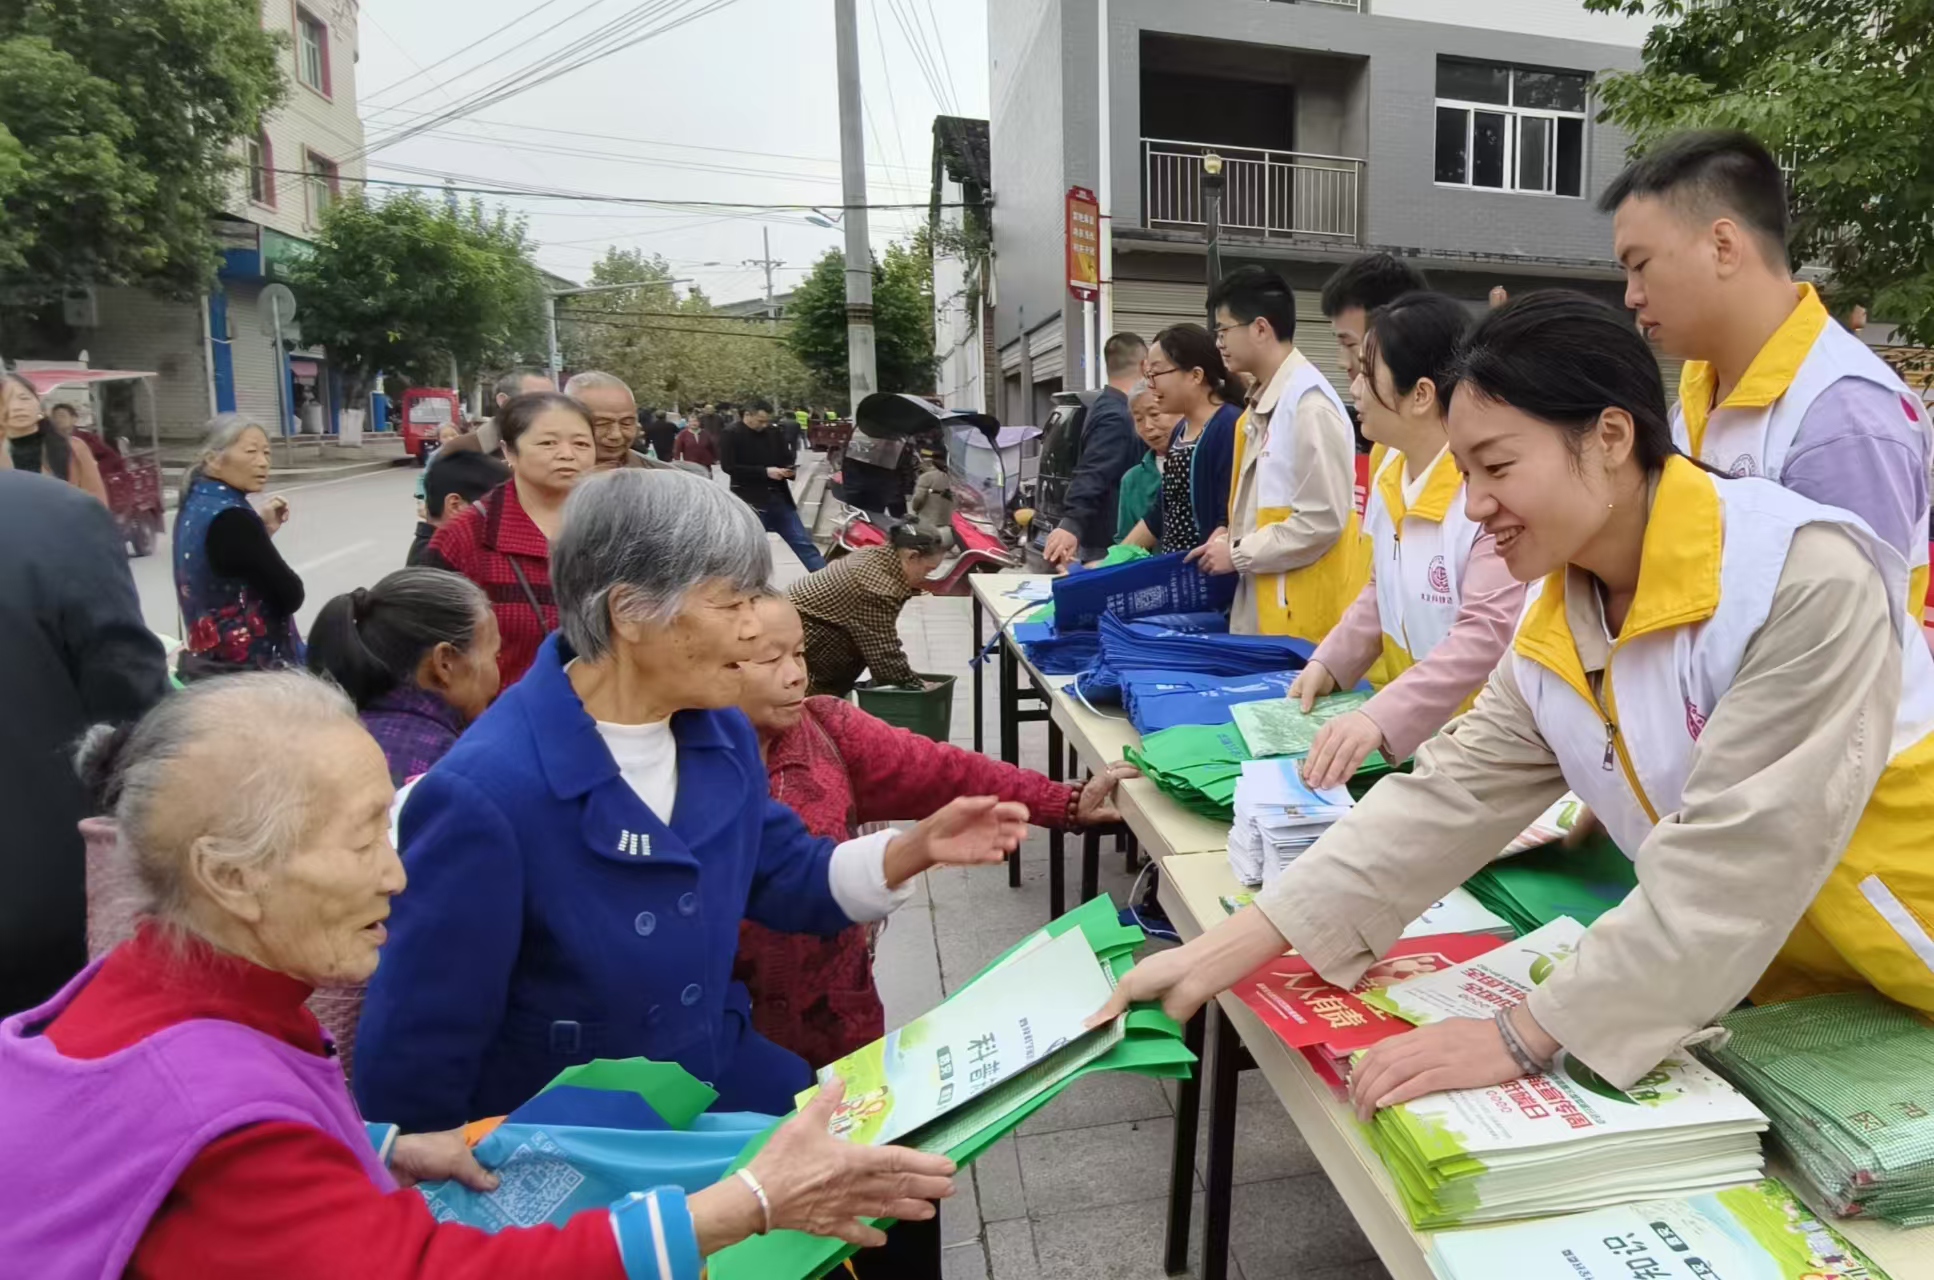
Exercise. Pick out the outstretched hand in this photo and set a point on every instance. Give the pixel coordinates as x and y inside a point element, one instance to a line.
<point>968,831</point>
<point>438,1157</point>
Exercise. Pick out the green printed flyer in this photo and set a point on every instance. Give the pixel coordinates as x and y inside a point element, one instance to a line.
<point>1499,979</point>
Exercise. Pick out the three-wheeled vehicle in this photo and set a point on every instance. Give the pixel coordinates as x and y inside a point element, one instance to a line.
<point>425,409</point>
<point>132,476</point>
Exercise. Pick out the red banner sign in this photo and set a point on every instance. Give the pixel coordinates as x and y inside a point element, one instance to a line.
<point>1084,244</point>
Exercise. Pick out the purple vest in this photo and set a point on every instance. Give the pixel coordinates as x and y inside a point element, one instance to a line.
<point>88,1148</point>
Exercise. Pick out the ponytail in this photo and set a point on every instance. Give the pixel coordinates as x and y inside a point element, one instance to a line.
<point>372,640</point>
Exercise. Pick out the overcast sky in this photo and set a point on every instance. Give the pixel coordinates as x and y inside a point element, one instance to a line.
<point>738,104</point>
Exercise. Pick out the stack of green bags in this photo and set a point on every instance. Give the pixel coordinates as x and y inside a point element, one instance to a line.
<point>1848,1081</point>
<point>1195,765</point>
<point>1151,1045</point>
<point>1537,886</point>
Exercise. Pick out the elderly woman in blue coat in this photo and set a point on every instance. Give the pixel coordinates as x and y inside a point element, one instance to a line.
<point>579,863</point>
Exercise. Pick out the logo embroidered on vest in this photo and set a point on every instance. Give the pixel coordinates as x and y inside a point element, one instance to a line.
<point>1743,466</point>
<point>1695,722</point>
<point>1439,575</point>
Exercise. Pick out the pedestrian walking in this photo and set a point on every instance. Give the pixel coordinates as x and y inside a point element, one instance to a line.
<point>36,444</point>
<point>661,433</point>
<point>760,464</point>
<point>695,446</point>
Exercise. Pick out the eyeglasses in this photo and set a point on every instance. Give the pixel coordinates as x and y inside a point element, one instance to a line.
<point>1224,328</point>
<point>1151,374</point>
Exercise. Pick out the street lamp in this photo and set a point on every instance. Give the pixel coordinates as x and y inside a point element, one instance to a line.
<point>1212,213</point>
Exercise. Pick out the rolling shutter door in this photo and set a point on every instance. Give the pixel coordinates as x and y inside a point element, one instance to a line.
<point>1044,350</point>
<point>1147,307</point>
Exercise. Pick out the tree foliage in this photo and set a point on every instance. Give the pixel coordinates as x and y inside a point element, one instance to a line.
<point>673,352</point>
<point>902,319</point>
<point>1842,92</point>
<point>407,284</point>
<point>118,126</point>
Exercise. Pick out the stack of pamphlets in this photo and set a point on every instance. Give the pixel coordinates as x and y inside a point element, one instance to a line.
<point>1280,727</point>
<point>1561,1140</point>
<point>1757,1232</point>
<point>1849,1083</point>
<point>1535,888</point>
<point>1195,765</point>
<point>1277,817</point>
<point>1329,1023</point>
<point>1456,912</point>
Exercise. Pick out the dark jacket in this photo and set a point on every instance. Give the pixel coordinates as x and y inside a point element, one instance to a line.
<point>419,544</point>
<point>74,652</point>
<point>662,437</point>
<point>745,454</point>
<point>1107,450</point>
<point>552,918</point>
<point>1211,469</point>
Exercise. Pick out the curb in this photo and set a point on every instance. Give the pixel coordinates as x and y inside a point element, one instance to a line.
<point>298,478</point>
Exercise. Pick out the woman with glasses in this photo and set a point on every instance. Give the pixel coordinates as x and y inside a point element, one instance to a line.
<point>1185,376</point>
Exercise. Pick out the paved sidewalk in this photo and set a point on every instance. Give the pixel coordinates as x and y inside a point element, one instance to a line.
<point>1080,1191</point>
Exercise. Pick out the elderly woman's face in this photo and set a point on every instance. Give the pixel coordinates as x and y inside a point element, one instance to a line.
<point>244,464</point>
<point>319,912</point>
<point>554,450</point>
<point>774,696</point>
<point>703,650</point>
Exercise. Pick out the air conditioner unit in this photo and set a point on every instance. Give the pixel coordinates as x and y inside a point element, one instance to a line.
<point>80,309</point>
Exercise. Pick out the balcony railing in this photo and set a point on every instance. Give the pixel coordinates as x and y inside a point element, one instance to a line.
<point>1267,193</point>
<point>1356,5</point>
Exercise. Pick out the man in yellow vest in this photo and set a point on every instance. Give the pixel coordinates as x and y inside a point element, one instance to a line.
<point>1772,386</point>
<point>1293,533</point>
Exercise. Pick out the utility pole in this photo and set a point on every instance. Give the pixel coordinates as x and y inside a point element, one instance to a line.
<point>862,369</point>
<point>769,264</point>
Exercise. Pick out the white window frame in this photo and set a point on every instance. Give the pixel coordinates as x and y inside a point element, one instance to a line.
<point>1515,116</point>
<point>312,50</point>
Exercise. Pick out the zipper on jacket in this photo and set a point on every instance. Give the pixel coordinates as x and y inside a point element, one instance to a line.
<point>1607,707</point>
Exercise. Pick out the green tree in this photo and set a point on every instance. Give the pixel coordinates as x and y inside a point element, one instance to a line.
<point>902,319</point>
<point>118,126</point>
<point>408,284</point>
<point>1843,93</point>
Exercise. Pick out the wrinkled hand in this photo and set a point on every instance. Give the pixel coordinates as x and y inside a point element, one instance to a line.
<point>1462,1053</point>
<point>1060,548</point>
<point>1311,683</point>
<point>1340,749</point>
<point>438,1157</point>
<point>275,513</point>
<point>1094,808</point>
<point>1215,556</point>
<point>823,1186</point>
<point>969,831</point>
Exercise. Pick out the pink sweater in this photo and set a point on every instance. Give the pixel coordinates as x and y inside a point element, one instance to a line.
<point>1421,701</point>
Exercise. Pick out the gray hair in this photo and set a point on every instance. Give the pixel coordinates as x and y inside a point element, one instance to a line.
<point>597,380</point>
<point>167,807</point>
<point>511,384</point>
<point>223,430</point>
<point>651,537</point>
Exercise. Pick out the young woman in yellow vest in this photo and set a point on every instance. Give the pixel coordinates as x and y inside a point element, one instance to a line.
<point>1721,668</point>
<point>1440,606</point>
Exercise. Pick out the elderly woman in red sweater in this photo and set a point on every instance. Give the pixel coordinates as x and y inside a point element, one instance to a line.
<point>837,767</point>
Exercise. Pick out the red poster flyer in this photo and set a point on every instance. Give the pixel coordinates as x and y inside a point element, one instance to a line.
<point>1305,1011</point>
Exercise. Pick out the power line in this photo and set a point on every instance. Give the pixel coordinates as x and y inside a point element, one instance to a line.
<point>922,56</point>
<point>682,146</point>
<point>946,60</point>
<point>649,201</point>
<point>658,315</point>
<point>490,35</point>
<point>672,328</point>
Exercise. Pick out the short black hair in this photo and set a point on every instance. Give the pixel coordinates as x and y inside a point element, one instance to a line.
<point>1724,168</point>
<point>519,412</point>
<point>1123,352</point>
<point>1251,293</point>
<point>756,406</point>
<point>467,473</point>
<point>1371,281</point>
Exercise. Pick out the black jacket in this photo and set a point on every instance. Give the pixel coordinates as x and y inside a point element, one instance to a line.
<point>661,436</point>
<point>745,454</point>
<point>74,652</point>
<point>1108,450</point>
<point>419,544</point>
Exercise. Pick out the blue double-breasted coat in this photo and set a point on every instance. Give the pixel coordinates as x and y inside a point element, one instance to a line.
<point>551,918</point>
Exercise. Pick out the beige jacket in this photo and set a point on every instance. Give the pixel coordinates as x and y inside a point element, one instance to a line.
<point>1317,473</point>
<point>1772,799</point>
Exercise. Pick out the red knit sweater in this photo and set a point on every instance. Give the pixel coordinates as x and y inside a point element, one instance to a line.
<point>839,768</point>
<point>284,1199</point>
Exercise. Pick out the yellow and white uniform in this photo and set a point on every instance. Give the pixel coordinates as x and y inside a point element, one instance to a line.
<point>1752,432</point>
<point>1758,738</point>
<point>1420,550</point>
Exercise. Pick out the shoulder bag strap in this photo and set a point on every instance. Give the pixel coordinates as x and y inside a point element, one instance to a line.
<point>543,623</point>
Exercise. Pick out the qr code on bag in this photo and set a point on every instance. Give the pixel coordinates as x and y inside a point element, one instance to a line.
<point>533,1184</point>
<point>1148,599</point>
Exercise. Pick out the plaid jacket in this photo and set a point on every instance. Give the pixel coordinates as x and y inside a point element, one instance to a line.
<point>851,612</point>
<point>482,544</point>
<point>414,728</point>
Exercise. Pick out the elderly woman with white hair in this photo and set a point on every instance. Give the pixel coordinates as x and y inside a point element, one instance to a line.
<point>183,1111</point>
<point>581,860</point>
<point>238,596</point>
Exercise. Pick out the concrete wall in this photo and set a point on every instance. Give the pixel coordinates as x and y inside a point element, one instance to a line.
<point>1404,208</point>
<point>141,331</point>
<point>1560,19</point>
<point>308,120</point>
<point>956,335</point>
<point>1026,140</point>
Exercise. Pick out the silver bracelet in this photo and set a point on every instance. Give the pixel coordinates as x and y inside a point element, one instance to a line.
<point>1515,1046</point>
<point>752,1184</point>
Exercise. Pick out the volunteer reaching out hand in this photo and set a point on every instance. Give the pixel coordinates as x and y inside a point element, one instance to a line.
<point>1344,743</point>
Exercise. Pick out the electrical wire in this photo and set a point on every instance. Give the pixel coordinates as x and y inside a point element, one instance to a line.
<point>368,100</point>
<point>682,146</point>
<point>672,328</point>
<point>648,201</point>
<point>946,62</point>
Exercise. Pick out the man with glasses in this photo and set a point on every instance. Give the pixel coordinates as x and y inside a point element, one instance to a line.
<point>1106,451</point>
<point>1293,533</point>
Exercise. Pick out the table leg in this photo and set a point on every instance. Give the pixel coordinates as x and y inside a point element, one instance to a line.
<point>1090,864</point>
<point>1132,855</point>
<point>980,706</point>
<point>1219,1178</point>
<point>1181,1163</point>
<point>1057,872</point>
<point>1010,735</point>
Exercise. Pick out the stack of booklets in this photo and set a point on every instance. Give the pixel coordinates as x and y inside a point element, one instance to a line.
<point>1278,816</point>
<point>1849,1083</point>
<point>1534,888</point>
<point>1756,1232</point>
<point>1329,1023</point>
<point>1562,1140</point>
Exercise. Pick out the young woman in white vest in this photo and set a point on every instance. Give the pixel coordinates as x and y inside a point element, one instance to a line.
<point>1721,668</point>
<point>1438,611</point>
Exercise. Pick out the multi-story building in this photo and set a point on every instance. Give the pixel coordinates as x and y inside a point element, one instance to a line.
<point>1460,136</point>
<point>213,355</point>
<point>963,308</point>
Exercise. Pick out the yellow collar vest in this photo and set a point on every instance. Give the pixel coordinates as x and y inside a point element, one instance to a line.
<point>1767,377</point>
<point>1440,490</point>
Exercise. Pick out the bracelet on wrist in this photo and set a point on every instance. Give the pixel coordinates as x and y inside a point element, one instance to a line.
<point>1515,1046</point>
<point>751,1180</point>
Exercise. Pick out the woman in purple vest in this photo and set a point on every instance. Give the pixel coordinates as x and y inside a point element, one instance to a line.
<point>175,1112</point>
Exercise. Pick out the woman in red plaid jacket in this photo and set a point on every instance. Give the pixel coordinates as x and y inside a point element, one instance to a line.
<point>503,542</point>
<point>837,767</point>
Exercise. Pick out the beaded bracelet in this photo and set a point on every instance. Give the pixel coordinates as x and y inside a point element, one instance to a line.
<point>1515,1046</point>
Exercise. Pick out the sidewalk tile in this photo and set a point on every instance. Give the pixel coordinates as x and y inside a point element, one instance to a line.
<point>1294,1227</point>
<point>1089,1168</point>
<point>1010,1251</point>
<point>960,1212</point>
<point>997,1181</point>
<point>1268,1145</point>
<point>1369,1269</point>
<point>1118,1242</point>
<point>1107,1098</point>
<point>964,1261</point>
